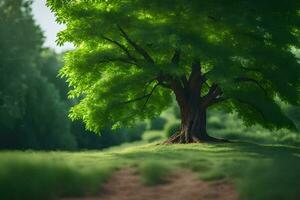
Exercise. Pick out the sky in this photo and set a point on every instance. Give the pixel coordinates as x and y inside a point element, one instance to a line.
<point>46,19</point>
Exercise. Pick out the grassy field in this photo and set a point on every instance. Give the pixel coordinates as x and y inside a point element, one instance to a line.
<point>258,171</point>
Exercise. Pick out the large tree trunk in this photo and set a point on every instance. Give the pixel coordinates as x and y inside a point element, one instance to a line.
<point>192,103</point>
<point>193,127</point>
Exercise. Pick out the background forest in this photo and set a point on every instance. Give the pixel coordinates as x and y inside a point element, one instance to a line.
<point>33,99</point>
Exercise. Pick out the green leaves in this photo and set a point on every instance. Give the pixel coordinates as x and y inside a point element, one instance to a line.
<point>254,106</point>
<point>32,113</point>
<point>123,45</point>
<point>120,98</point>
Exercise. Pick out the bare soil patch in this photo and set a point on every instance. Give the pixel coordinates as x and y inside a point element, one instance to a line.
<point>182,185</point>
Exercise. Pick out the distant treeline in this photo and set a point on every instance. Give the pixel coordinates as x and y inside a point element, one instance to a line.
<point>33,99</point>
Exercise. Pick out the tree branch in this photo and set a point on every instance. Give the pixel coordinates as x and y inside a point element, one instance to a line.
<point>175,61</point>
<point>184,81</point>
<point>142,97</point>
<point>148,97</point>
<point>120,59</point>
<point>138,48</point>
<point>136,99</point>
<point>196,72</point>
<point>251,80</point>
<point>196,78</point>
<point>253,69</point>
<point>176,57</point>
<point>164,80</point>
<point>212,94</point>
<point>218,100</point>
<point>253,106</point>
<point>148,83</point>
<point>150,94</point>
<point>122,47</point>
<point>206,73</point>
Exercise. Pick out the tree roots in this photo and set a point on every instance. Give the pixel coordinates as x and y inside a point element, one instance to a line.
<point>180,138</point>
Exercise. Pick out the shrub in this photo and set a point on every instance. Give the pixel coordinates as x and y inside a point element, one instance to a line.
<point>153,136</point>
<point>135,133</point>
<point>158,123</point>
<point>215,122</point>
<point>176,111</point>
<point>172,129</point>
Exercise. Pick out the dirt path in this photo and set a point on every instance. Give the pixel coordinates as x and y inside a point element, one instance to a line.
<point>126,185</point>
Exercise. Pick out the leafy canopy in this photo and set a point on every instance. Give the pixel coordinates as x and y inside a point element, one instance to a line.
<point>245,46</point>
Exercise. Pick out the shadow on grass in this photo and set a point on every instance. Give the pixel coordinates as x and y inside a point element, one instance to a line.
<point>227,150</point>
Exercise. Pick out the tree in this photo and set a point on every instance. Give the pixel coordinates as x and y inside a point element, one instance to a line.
<point>44,124</point>
<point>18,58</point>
<point>131,56</point>
<point>51,62</point>
<point>32,114</point>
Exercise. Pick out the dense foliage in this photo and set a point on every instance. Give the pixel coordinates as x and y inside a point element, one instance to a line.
<point>157,123</point>
<point>31,112</point>
<point>33,100</point>
<point>131,55</point>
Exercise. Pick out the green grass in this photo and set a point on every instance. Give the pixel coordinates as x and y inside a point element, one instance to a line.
<point>260,172</point>
<point>153,172</point>
<point>153,136</point>
<point>41,175</point>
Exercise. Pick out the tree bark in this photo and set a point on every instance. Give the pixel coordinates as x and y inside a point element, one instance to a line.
<point>193,106</point>
<point>193,127</point>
